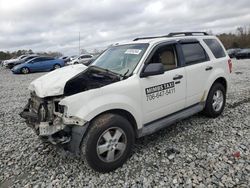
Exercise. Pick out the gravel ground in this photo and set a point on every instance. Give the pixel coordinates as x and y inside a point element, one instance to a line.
<point>198,151</point>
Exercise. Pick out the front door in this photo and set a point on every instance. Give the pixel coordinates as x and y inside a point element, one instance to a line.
<point>163,94</point>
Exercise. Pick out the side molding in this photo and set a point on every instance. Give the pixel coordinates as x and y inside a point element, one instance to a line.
<point>161,123</point>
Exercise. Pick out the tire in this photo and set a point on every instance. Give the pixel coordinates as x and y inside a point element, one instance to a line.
<point>56,66</point>
<point>216,100</point>
<point>75,63</point>
<point>108,143</point>
<point>25,70</point>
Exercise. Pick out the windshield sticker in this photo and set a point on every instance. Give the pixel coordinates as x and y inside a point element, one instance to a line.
<point>158,91</point>
<point>133,51</point>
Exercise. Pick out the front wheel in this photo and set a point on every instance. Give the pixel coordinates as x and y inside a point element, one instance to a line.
<point>108,143</point>
<point>25,70</point>
<point>215,101</point>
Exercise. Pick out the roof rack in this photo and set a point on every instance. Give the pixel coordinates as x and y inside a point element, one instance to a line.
<point>142,38</point>
<point>174,35</point>
<point>187,34</point>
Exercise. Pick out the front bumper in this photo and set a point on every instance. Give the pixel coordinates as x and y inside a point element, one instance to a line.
<point>57,130</point>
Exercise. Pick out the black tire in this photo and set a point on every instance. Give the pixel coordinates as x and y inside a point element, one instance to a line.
<point>102,125</point>
<point>75,63</point>
<point>210,109</point>
<point>56,66</point>
<point>25,70</point>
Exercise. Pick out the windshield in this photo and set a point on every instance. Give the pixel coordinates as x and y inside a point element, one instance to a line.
<point>121,59</point>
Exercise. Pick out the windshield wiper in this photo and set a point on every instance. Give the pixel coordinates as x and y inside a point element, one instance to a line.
<point>111,72</point>
<point>124,75</point>
<point>106,70</point>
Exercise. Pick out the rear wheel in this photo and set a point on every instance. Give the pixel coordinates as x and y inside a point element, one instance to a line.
<point>108,143</point>
<point>25,70</point>
<point>215,101</point>
<point>57,66</point>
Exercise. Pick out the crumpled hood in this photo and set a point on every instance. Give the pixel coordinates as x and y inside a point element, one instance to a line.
<point>52,84</point>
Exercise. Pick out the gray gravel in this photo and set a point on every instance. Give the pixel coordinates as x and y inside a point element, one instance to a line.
<point>195,152</point>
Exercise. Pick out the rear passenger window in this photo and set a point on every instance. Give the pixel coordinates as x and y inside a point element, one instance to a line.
<point>215,47</point>
<point>194,53</point>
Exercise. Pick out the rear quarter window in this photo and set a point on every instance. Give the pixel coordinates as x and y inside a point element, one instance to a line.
<point>215,47</point>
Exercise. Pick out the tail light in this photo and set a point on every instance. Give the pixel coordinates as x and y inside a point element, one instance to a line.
<point>230,65</point>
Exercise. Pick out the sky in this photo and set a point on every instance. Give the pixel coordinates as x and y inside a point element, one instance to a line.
<point>54,25</point>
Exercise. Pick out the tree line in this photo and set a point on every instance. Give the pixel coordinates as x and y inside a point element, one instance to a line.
<point>239,39</point>
<point>9,55</point>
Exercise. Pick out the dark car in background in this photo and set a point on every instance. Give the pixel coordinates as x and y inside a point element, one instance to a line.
<point>233,51</point>
<point>38,64</point>
<point>11,64</point>
<point>243,54</point>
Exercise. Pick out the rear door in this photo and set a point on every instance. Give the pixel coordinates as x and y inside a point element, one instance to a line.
<point>48,63</point>
<point>164,94</point>
<point>198,69</point>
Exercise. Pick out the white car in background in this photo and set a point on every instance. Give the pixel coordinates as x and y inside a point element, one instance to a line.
<point>84,58</point>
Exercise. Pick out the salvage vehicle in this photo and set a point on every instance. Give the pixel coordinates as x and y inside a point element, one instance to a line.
<point>131,90</point>
<point>233,51</point>
<point>243,54</point>
<point>38,64</point>
<point>6,62</point>
<point>84,58</point>
<point>11,64</point>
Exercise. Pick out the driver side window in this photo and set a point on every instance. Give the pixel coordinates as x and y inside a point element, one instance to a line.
<point>167,56</point>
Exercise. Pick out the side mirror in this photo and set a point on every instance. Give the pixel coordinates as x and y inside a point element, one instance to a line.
<point>152,69</point>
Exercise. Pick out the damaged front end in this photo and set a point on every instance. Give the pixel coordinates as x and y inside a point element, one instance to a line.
<point>46,117</point>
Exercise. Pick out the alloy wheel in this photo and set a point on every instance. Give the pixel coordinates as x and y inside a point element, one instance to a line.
<point>111,144</point>
<point>218,100</point>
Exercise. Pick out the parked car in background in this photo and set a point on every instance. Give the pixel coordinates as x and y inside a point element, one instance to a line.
<point>6,62</point>
<point>38,64</point>
<point>11,64</point>
<point>66,59</point>
<point>84,58</point>
<point>233,51</point>
<point>73,57</point>
<point>243,54</point>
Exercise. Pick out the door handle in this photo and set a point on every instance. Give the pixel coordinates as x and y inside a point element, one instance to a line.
<point>209,68</point>
<point>177,77</point>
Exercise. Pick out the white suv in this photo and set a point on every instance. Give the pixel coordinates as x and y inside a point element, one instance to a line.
<point>129,91</point>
